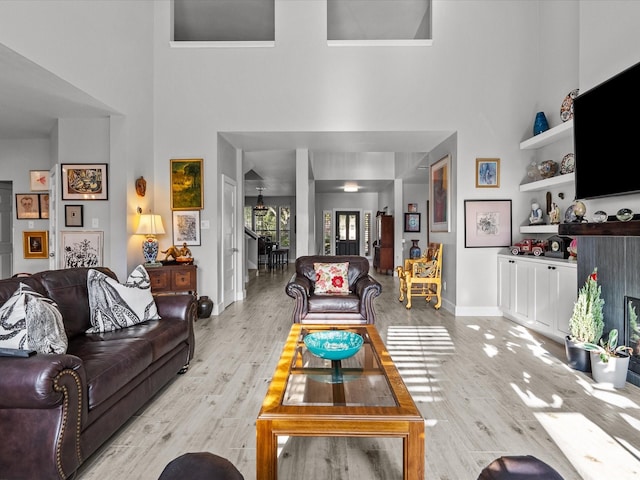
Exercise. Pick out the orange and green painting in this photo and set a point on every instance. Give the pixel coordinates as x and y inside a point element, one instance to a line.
<point>186,184</point>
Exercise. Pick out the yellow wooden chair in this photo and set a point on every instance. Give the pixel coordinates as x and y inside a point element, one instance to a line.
<point>408,265</point>
<point>423,279</point>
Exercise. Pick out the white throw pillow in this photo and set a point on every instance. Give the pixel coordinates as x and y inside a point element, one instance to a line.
<point>114,305</point>
<point>31,321</point>
<point>13,321</point>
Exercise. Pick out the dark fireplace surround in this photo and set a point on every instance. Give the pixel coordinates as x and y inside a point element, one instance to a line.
<point>614,248</point>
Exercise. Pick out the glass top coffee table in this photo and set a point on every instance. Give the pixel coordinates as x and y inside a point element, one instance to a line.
<point>361,396</point>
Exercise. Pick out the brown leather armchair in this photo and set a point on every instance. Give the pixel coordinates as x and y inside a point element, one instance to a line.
<point>354,307</point>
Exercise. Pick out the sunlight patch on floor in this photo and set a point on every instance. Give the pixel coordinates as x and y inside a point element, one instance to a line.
<point>591,450</point>
<point>533,401</point>
<point>415,351</point>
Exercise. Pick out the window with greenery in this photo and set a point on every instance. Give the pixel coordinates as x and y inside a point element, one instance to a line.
<point>275,224</point>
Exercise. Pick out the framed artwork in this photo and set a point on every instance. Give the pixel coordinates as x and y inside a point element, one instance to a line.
<point>43,203</point>
<point>27,206</point>
<point>186,227</point>
<point>73,216</point>
<point>35,244</point>
<point>412,207</point>
<point>487,223</point>
<point>186,184</point>
<point>411,222</point>
<point>487,172</point>
<point>85,181</point>
<point>439,194</point>
<point>81,248</point>
<point>38,180</point>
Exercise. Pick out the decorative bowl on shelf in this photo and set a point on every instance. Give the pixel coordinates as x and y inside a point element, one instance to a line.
<point>624,214</point>
<point>600,216</point>
<point>333,344</point>
<point>548,169</point>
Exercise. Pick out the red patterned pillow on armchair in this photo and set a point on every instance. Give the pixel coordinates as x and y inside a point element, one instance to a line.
<point>331,278</point>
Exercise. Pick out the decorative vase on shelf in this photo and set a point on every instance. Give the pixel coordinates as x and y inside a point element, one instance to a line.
<point>540,124</point>
<point>414,251</point>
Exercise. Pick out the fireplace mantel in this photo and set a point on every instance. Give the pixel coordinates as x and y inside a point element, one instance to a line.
<point>610,228</point>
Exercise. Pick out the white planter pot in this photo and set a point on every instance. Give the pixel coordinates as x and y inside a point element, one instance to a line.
<point>614,372</point>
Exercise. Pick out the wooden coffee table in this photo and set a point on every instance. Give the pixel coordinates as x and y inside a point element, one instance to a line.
<point>361,396</point>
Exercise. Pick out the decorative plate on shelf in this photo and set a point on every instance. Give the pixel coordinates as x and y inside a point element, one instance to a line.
<point>568,164</point>
<point>566,109</point>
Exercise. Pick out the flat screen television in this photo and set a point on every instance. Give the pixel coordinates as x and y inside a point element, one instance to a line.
<point>606,127</point>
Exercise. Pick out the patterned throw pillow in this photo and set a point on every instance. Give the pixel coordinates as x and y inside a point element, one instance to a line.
<point>331,277</point>
<point>114,305</point>
<point>31,321</point>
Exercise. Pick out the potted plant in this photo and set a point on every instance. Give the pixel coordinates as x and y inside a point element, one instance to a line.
<point>609,361</point>
<point>586,323</point>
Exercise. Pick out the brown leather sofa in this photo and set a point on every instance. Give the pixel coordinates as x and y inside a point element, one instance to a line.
<point>356,307</point>
<point>58,409</point>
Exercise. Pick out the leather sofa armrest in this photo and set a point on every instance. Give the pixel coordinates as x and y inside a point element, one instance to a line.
<point>181,307</point>
<point>44,404</point>
<point>32,382</point>
<point>367,288</point>
<point>299,288</point>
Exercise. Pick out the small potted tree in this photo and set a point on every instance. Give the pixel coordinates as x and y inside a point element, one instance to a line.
<point>609,361</point>
<point>586,324</point>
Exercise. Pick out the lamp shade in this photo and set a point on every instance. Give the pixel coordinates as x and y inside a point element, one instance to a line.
<point>150,225</point>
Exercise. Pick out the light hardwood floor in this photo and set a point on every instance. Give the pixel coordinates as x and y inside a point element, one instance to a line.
<point>486,387</point>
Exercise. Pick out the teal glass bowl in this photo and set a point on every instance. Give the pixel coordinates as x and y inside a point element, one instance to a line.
<point>333,344</point>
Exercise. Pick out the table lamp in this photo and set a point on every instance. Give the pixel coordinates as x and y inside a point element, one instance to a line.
<point>150,225</point>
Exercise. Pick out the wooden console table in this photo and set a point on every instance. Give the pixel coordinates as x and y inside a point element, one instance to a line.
<point>174,279</point>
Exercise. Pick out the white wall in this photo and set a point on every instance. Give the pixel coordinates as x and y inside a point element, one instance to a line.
<point>473,80</point>
<point>103,47</point>
<point>17,157</point>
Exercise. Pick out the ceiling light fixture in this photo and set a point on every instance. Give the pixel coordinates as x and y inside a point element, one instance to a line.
<point>350,187</point>
<point>260,209</point>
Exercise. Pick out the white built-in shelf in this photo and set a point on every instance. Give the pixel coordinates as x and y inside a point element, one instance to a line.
<point>539,229</point>
<point>564,130</point>
<point>546,183</point>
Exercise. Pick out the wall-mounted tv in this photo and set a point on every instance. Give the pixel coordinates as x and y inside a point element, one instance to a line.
<point>606,127</point>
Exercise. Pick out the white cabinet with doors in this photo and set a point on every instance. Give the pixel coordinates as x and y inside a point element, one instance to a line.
<point>538,292</point>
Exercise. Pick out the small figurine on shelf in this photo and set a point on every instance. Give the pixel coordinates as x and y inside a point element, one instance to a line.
<point>536,215</point>
<point>554,214</point>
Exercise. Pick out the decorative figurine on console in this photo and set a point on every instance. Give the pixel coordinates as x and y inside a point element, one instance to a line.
<point>536,217</point>
<point>180,255</point>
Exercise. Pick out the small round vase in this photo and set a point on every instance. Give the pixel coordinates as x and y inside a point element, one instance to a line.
<point>624,214</point>
<point>205,307</point>
<point>414,251</point>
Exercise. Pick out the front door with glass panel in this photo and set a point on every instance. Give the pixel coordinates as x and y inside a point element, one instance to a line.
<point>347,233</point>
